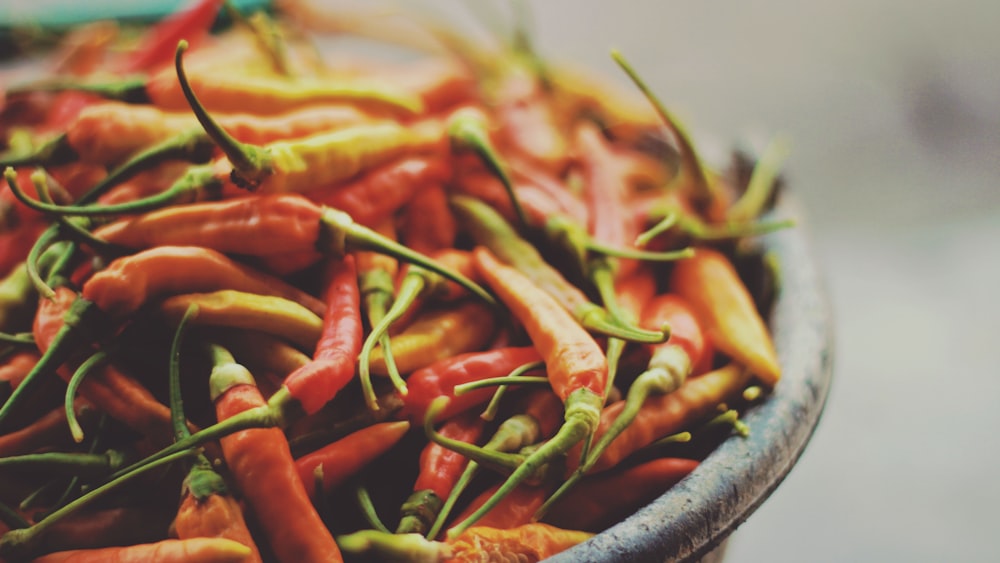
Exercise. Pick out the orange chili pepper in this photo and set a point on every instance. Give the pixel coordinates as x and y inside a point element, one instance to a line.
<point>726,310</point>
<point>262,466</point>
<point>347,456</point>
<point>528,542</point>
<point>193,550</point>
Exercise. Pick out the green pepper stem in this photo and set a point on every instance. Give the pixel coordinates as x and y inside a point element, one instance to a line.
<point>583,413</point>
<point>16,544</point>
<point>368,508</point>
<point>177,418</point>
<point>762,182</point>
<point>59,464</point>
<point>343,235</point>
<point>71,387</point>
<point>500,381</point>
<point>468,131</point>
<point>79,324</point>
<point>11,518</point>
<point>661,226</point>
<point>499,461</point>
<point>595,318</point>
<point>494,405</point>
<point>251,164</point>
<point>703,193</point>
<point>19,338</point>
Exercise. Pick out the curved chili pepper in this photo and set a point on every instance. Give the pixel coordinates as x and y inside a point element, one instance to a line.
<point>342,459</point>
<point>130,281</point>
<point>262,466</point>
<point>428,225</point>
<point>192,550</point>
<point>316,383</point>
<point>526,120</point>
<point>576,366</point>
<point>440,469</point>
<point>230,308</point>
<point>531,542</point>
<point>48,429</point>
<point>490,229</point>
<point>601,500</point>
<point>726,310</point>
<point>262,225</point>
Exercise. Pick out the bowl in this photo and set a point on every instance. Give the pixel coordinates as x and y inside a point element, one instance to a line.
<point>692,520</point>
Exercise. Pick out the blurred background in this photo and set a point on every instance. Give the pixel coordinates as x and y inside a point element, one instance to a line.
<point>892,109</point>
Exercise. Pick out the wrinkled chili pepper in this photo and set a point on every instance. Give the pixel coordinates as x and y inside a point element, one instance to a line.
<point>262,466</point>
<point>726,310</point>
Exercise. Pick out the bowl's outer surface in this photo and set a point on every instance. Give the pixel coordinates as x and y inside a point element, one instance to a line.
<point>698,514</point>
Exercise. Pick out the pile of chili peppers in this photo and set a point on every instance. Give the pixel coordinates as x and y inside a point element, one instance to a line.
<point>260,304</point>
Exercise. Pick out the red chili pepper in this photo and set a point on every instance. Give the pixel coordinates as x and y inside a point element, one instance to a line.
<point>262,466</point>
<point>316,383</point>
<point>207,510</point>
<point>529,542</point>
<point>514,509</point>
<point>347,456</point>
<point>527,124</point>
<point>440,470</point>
<point>726,310</point>
<point>47,430</point>
<point>381,192</point>
<point>439,380</point>
<point>158,43</point>
<point>599,501</point>
<point>428,225</point>
<point>131,281</point>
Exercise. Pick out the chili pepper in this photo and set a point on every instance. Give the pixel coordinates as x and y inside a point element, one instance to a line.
<point>262,225</point>
<point>726,310</point>
<point>440,469</point>
<point>156,47</point>
<point>378,194</point>
<point>527,173</point>
<point>206,509</point>
<point>528,542</point>
<point>604,499</point>
<point>193,550</point>
<point>665,414</point>
<point>130,281</point>
<point>316,383</point>
<point>514,509</point>
<point>576,366</point>
<point>262,352</point>
<point>489,229</point>
<point>463,327</point>
<point>103,527</point>
<point>441,83</point>
<point>440,378</point>
<point>428,225</point>
<point>539,418</point>
<point>231,308</point>
<point>379,545</point>
<point>262,466</point>
<point>345,457</point>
